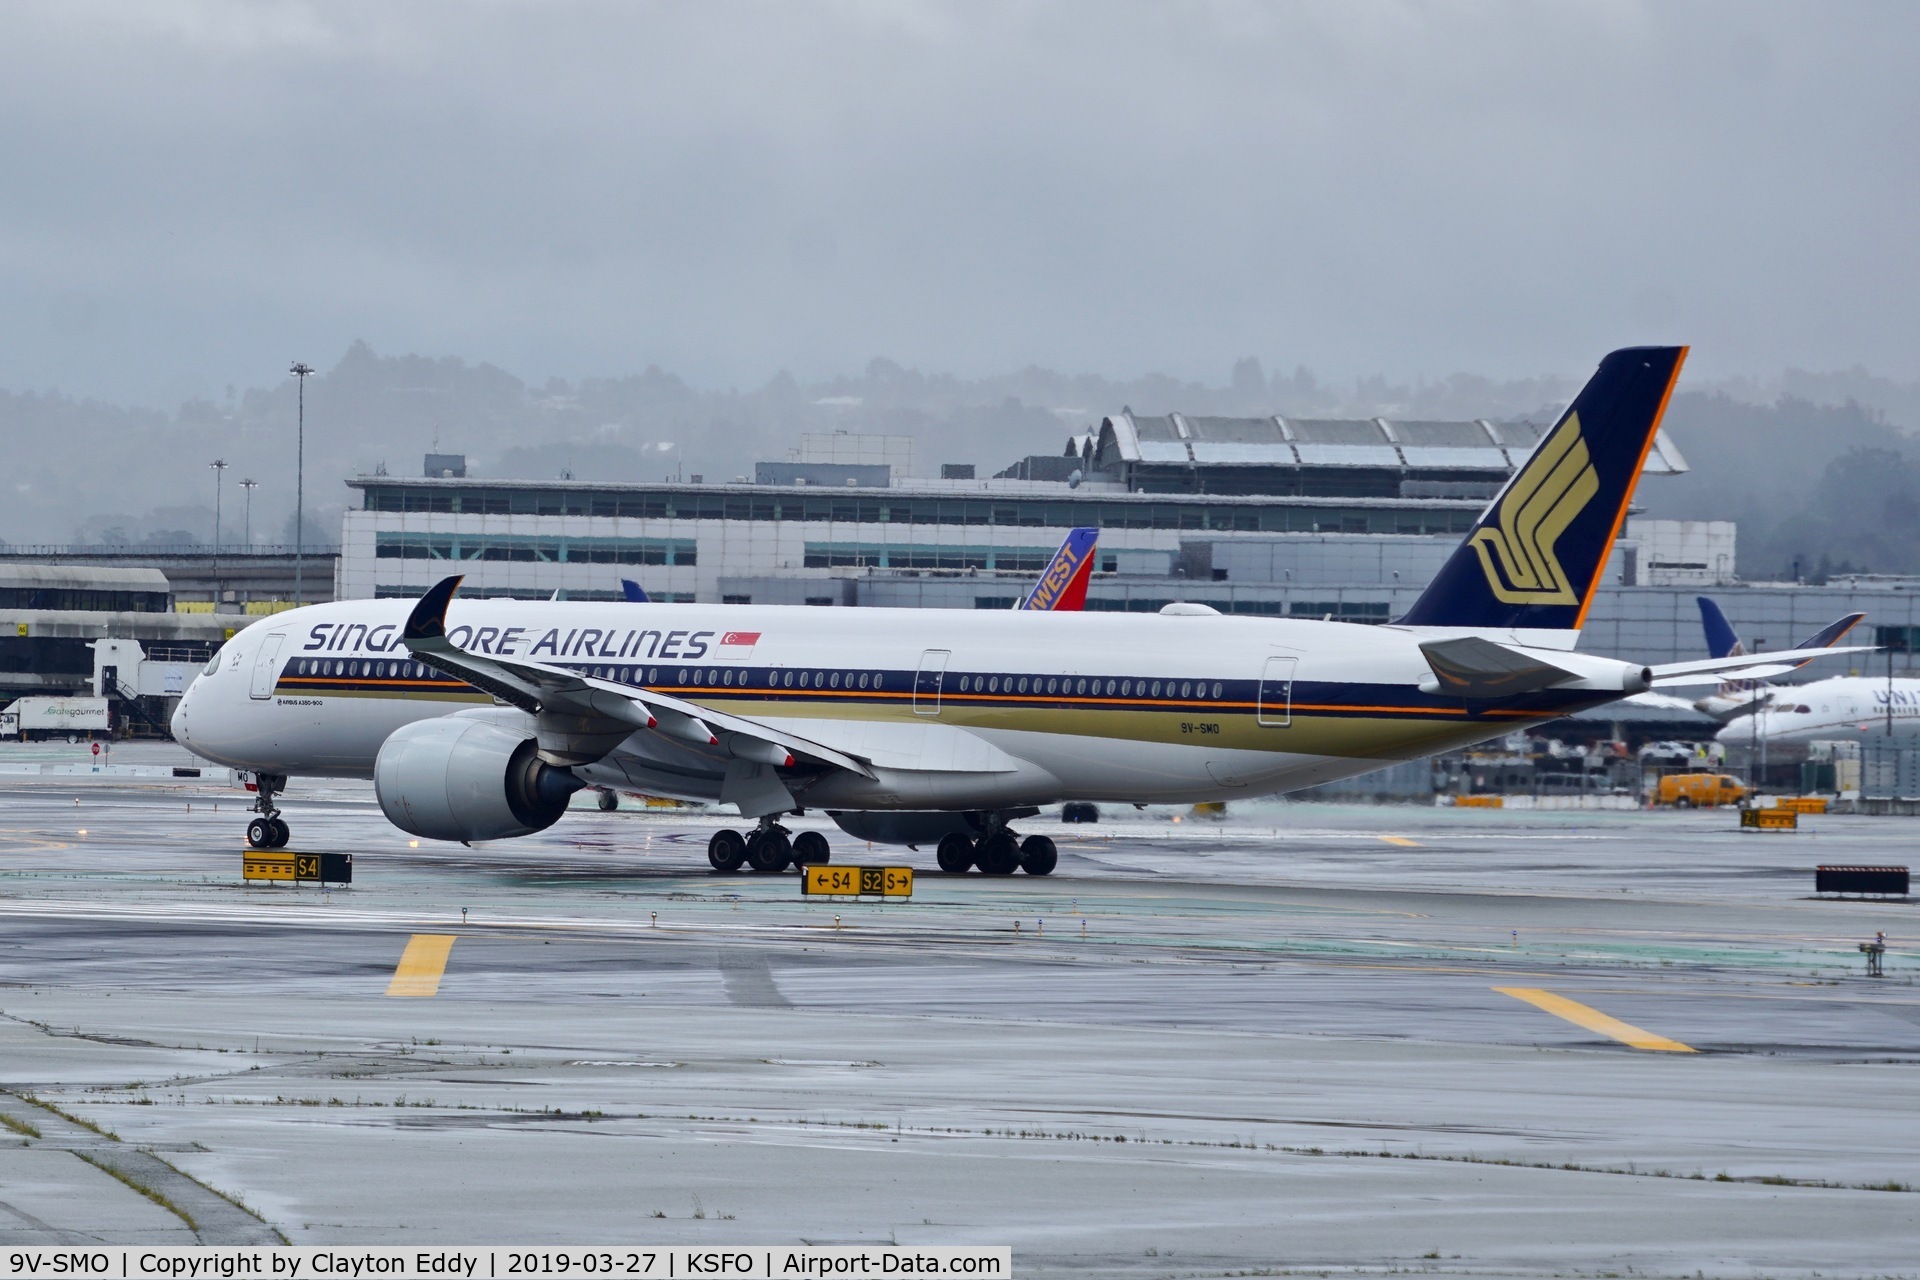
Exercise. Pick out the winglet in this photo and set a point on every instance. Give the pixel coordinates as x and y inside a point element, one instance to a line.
<point>634,592</point>
<point>428,621</point>
<point>1833,633</point>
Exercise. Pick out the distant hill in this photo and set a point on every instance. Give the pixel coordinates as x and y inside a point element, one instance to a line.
<point>1810,474</point>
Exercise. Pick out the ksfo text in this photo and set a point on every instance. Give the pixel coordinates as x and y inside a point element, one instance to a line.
<point>303,1262</point>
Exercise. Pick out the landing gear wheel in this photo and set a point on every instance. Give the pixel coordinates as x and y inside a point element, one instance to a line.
<point>1038,856</point>
<point>267,831</point>
<point>726,851</point>
<point>609,800</point>
<point>769,852</point>
<point>810,849</point>
<point>999,854</point>
<point>955,854</point>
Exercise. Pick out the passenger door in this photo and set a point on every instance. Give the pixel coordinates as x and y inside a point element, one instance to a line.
<point>1275,708</point>
<point>927,681</point>
<point>266,665</point>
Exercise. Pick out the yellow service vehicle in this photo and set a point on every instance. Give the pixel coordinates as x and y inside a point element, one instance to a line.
<point>1690,790</point>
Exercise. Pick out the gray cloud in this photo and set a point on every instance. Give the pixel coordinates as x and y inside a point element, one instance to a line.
<point>197,191</point>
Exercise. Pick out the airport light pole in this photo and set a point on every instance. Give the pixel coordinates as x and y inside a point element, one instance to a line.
<point>246,535</point>
<point>219,466</point>
<point>301,372</point>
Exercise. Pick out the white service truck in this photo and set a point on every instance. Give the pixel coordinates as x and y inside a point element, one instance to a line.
<point>40,717</point>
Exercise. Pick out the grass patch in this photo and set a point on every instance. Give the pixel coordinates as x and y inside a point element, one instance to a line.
<point>82,1121</point>
<point>235,1201</point>
<point>26,1127</point>
<point>158,1197</point>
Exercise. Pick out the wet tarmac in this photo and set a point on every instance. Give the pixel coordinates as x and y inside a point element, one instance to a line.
<point>1302,1038</point>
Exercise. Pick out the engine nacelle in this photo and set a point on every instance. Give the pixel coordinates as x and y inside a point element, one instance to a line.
<point>465,779</point>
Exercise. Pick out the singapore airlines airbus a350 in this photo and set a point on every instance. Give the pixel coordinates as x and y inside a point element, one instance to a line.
<point>477,719</point>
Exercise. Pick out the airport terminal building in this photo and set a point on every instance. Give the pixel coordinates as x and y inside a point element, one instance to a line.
<point>1265,516</point>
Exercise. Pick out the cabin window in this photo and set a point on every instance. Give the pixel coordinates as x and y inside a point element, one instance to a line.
<point>876,679</point>
<point>963,683</point>
<point>834,680</point>
<point>863,680</point>
<point>1023,684</point>
<point>1051,684</point>
<point>1080,686</point>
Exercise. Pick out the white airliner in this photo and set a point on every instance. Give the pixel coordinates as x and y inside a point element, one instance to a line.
<point>477,719</point>
<point>1843,709</point>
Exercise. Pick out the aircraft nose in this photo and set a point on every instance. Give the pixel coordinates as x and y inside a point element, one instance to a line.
<point>177,722</point>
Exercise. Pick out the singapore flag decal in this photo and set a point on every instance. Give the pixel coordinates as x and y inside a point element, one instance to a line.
<point>737,644</point>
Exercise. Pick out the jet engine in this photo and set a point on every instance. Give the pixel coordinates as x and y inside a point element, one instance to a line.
<point>461,779</point>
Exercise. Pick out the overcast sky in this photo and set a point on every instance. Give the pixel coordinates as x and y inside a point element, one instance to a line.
<point>195,192</point>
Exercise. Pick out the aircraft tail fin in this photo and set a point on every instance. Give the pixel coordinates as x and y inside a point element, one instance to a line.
<point>1721,641</point>
<point>1063,583</point>
<point>1536,556</point>
<point>633,591</point>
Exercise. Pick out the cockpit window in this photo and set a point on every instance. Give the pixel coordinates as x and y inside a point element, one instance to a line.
<point>213,665</point>
<point>1803,710</point>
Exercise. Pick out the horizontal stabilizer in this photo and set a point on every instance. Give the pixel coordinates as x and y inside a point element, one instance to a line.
<point>1472,667</point>
<point>1756,666</point>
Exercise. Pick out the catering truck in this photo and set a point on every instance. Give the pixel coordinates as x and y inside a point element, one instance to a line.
<point>47,717</point>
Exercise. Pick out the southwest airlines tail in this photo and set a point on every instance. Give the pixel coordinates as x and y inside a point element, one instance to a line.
<point>1063,584</point>
<point>1536,556</point>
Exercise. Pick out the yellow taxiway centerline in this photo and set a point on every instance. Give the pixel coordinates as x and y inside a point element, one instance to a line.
<point>1594,1020</point>
<point>421,965</point>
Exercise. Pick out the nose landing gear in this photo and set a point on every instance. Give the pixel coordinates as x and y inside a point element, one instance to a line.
<point>269,830</point>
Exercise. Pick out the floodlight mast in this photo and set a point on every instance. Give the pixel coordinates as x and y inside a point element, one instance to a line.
<point>219,466</point>
<point>302,372</point>
<point>246,534</point>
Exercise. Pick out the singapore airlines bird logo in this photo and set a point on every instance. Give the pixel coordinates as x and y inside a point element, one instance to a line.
<point>1517,550</point>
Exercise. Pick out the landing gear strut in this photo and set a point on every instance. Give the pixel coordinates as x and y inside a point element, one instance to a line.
<point>767,850</point>
<point>997,853</point>
<point>269,830</point>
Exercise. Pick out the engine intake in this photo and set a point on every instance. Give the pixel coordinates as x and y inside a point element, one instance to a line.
<point>458,779</point>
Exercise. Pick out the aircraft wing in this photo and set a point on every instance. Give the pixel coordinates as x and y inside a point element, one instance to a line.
<point>579,719</point>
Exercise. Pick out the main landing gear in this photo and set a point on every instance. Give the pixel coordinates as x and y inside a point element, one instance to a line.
<point>269,830</point>
<point>998,853</point>
<point>768,850</point>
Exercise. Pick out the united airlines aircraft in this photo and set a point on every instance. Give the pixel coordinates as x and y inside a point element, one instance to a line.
<point>477,719</point>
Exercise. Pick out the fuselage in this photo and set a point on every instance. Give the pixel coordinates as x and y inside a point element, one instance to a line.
<point>954,709</point>
<point>1843,709</point>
